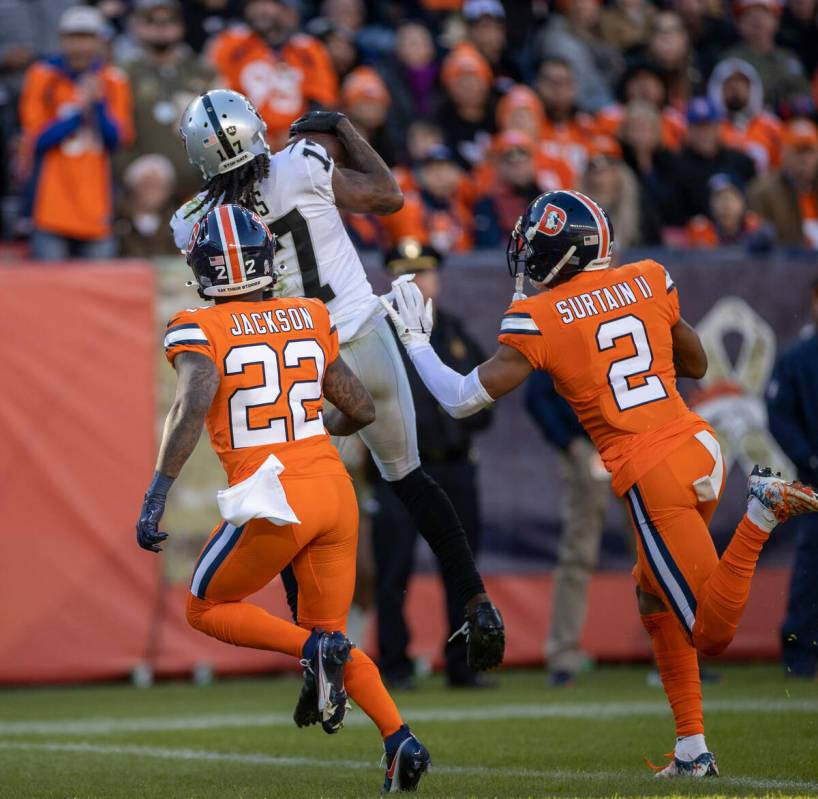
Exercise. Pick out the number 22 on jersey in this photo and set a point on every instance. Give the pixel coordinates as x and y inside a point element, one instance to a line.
<point>637,366</point>
<point>295,424</point>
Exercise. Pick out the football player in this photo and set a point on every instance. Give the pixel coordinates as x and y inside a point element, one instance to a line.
<point>298,192</point>
<point>614,342</point>
<point>256,370</point>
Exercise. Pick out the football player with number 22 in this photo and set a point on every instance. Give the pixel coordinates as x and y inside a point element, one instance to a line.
<point>614,341</point>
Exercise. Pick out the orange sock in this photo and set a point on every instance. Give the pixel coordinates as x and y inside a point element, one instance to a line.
<point>245,624</point>
<point>678,666</point>
<point>721,600</point>
<point>364,685</point>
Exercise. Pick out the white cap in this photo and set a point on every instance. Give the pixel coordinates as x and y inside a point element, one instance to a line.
<point>474,9</point>
<point>82,19</point>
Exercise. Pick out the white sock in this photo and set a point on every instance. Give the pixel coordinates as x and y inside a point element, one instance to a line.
<point>690,747</point>
<point>760,515</point>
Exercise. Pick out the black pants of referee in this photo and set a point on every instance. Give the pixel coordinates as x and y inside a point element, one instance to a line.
<point>394,537</point>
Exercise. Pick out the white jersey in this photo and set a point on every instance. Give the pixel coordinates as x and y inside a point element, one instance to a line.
<point>314,254</point>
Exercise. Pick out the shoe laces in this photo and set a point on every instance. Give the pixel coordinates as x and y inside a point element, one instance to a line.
<point>671,756</point>
<point>305,664</point>
<point>464,630</point>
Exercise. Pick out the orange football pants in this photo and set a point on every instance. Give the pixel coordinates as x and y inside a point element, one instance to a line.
<point>704,596</point>
<point>239,561</point>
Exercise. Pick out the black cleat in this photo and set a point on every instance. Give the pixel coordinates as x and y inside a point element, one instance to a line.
<point>406,765</point>
<point>485,637</point>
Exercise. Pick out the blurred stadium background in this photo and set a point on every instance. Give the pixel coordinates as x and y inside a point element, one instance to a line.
<point>691,121</point>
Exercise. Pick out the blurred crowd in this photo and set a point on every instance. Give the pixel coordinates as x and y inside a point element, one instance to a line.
<point>691,121</point>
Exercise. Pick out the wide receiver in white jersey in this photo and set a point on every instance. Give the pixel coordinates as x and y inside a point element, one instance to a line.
<point>298,193</point>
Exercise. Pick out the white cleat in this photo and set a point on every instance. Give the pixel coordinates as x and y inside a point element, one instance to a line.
<point>784,499</point>
<point>703,766</point>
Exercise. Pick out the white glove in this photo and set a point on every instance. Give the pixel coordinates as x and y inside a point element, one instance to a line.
<point>413,319</point>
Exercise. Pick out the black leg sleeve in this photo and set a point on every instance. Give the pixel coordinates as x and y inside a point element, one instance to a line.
<point>437,521</point>
<point>291,588</point>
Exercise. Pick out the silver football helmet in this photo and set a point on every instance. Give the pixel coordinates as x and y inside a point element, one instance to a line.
<point>222,130</point>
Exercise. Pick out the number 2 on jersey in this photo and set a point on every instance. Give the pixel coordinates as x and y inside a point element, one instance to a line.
<point>620,371</point>
<point>301,391</point>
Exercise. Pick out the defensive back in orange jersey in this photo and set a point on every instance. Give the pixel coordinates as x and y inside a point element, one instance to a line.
<point>272,357</point>
<point>605,337</point>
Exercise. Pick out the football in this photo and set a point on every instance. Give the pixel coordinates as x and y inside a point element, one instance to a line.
<point>329,141</point>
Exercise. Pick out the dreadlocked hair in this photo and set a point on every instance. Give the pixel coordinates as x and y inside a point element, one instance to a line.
<point>235,187</point>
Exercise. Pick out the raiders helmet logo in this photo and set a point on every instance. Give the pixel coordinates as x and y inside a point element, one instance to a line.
<point>552,221</point>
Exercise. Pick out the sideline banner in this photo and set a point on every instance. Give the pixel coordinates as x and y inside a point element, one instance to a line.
<point>77,426</point>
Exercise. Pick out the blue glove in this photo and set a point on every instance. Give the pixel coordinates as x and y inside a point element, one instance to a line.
<point>147,528</point>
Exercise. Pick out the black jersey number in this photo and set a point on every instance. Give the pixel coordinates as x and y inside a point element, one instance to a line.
<point>294,224</point>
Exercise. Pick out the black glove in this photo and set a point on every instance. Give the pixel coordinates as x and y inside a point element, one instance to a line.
<point>485,637</point>
<point>317,122</point>
<point>147,528</point>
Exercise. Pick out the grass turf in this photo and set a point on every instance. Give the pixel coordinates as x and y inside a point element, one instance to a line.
<point>235,739</point>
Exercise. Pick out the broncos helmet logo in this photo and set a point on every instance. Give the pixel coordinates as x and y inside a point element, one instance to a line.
<point>552,221</point>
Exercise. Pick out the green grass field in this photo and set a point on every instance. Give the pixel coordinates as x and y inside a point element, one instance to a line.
<point>235,739</point>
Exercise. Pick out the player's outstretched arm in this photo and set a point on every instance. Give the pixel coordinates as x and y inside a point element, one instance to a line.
<point>196,384</point>
<point>689,356</point>
<point>368,186</point>
<point>460,395</point>
<point>354,407</point>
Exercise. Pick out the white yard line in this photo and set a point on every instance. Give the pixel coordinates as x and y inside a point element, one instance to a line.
<point>258,759</point>
<point>510,712</point>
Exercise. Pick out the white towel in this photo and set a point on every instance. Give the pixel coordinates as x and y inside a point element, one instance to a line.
<point>260,496</point>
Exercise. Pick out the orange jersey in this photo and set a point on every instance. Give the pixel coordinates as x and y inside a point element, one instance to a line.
<point>605,338</point>
<point>760,138</point>
<point>271,356</point>
<point>280,82</point>
<point>72,173</point>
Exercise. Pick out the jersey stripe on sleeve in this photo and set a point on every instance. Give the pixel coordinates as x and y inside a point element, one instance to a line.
<point>184,334</point>
<point>519,323</point>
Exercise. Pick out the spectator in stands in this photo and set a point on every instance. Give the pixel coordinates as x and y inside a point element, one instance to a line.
<point>643,81</point>
<point>709,30</point>
<point>520,109</point>
<point>586,490</point>
<point>565,129</point>
<point>486,30</point>
<point>75,113</point>
<point>165,77</point>
<point>339,43</point>
<point>729,221</point>
<point>447,450</point>
<point>669,50</point>
<point>781,73</point>
<point>573,36</point>
<point>736,90</point>
<point>798,32</point>
<point>788,197</point>
<point>702,156</point>
<point>514,186</point>
<point>611,182</point>
<point>791,408</point>
<point>467,112</point>
<point>410,74</point>
<point>626,24</point>
<point>365,100</point>
<point>652,163</point>
<point>351,16</point>
<point>438,213</point>
<point>142,227</point>
<point>206,19</point>
<point>282,71</point>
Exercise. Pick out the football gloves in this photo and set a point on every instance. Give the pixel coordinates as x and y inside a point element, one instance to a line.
<point>413,319</point>
<point>485,637</point>
<point>153,506</point>
<point>317,122</point>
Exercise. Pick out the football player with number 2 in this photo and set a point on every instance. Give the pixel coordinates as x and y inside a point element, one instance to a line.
<point>298,193</point>
<point>614,342</point>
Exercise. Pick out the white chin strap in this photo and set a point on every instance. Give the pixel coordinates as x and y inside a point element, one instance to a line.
<point>597,263</point>
<point>564,260</point>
